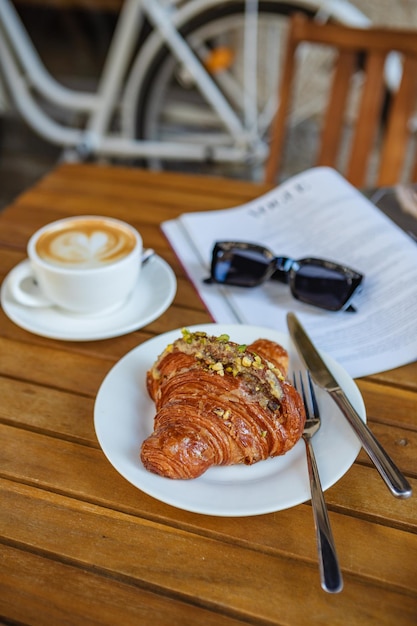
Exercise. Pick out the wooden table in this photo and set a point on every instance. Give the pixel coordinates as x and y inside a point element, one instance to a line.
<point>80,545</point>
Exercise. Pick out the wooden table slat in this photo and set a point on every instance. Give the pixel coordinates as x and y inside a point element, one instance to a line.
<point>53,592</point>
<point>177,561</point>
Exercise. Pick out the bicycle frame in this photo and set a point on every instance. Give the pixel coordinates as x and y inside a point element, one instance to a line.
<point>25,76</point>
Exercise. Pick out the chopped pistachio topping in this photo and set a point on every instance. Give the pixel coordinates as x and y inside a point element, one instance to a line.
<point>222,356</point>
<point>217,367</point>
<point>257,363</point>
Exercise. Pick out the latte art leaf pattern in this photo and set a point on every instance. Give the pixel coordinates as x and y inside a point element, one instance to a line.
<point>77,247</point>
<point>85,244</point>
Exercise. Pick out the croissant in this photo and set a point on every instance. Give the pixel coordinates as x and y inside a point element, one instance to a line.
<point>219,403</point>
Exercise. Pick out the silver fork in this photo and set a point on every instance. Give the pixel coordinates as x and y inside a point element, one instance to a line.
<point>330,574</point>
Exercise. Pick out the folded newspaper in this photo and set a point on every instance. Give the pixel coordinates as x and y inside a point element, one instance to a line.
<point>316,213</point>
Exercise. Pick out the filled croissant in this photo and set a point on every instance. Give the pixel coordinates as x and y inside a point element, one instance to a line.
<point>219,403</point>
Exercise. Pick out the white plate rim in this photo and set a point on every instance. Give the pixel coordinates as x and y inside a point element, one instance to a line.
<point>221,491</point>
<point>121,322</point>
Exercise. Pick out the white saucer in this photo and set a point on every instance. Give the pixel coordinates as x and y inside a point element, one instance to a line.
<point>154,293</point>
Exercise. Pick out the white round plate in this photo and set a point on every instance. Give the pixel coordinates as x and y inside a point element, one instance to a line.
<point>123,417</point>
<point>154,292</point>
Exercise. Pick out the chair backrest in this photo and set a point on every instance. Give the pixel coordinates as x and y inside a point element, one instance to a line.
<point>371,46</point>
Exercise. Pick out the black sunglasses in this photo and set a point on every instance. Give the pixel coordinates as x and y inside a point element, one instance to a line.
<point>318,282</point>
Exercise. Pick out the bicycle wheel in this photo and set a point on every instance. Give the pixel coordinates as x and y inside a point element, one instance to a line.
<point>168,105</point>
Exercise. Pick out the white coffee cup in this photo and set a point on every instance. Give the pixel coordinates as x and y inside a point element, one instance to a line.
<point>85,265</point>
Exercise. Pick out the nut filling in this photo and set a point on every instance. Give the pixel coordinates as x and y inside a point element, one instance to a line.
<point>226,358</point>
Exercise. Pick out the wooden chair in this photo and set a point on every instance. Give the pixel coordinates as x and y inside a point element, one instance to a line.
<point>371,46</point>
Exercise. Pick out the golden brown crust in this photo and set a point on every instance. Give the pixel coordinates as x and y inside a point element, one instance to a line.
<point>218,403</point>
<point>273,352</point>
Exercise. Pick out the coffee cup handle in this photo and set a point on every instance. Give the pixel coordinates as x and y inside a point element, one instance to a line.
<point>24,287</point>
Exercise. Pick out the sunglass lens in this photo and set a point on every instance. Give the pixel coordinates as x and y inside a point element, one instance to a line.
<point>241,267</point>
<point>321,286</point>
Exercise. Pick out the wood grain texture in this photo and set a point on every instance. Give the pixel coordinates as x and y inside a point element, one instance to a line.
<point>80,545</point>
<point>377,138</point>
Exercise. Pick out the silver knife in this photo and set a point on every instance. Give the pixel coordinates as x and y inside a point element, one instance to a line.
<point>323,377</point>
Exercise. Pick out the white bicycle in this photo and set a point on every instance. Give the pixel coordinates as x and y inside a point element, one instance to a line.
<point>200,90</point>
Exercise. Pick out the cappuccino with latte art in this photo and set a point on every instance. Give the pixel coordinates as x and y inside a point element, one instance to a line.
<point>84,264</point>
<point>85,243</point>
